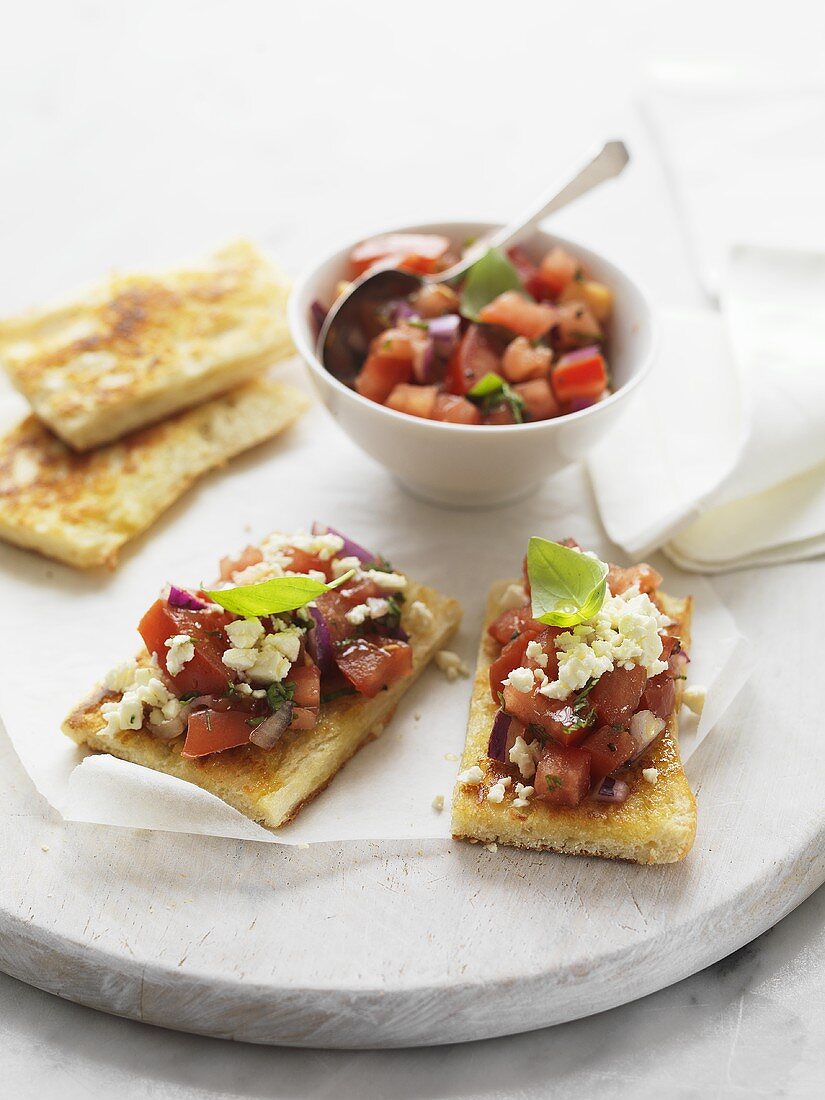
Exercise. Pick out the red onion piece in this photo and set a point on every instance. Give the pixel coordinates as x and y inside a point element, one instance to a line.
<point>272,729</point>
<point>581,353</point>
<point>497,745</point>
<point>579,403</point>
<point>423,360</point>
<point>179,597</point>
<point>351,549</point>
<point>319,315</point>
<point>319,643</point>
<point>612,790</point>
<point>444,331</point>
<point>402,311</point>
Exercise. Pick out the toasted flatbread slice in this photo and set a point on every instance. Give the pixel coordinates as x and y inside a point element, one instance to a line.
<point>140,347</point>
<point>657,823</point>
<point>81,509</point>
<point>271,786</point>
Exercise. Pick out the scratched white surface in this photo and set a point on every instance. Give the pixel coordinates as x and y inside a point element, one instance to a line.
<point>150,132</point>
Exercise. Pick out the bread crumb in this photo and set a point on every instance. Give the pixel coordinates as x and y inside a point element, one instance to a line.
<point>44,847</point>
<point>451,664</point>
<point>438,803</point>
<point>492,847</point>
<point>303,845</point>
<point>417,716</point>
<point>450,756</point>
<point>651,775</point>
<point>512,597</point>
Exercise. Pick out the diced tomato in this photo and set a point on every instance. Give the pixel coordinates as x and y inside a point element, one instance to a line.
<point>475,356</point>
<point>414,400</point>
<point>511,656</point>
<point>522,263</point>
<point>299,561</point>
<point>555,717</point>
<point>574,327</point>
<point>643,575</point>
<point>579,374</point>
<point>380,375</point>
<point>370,668</point>
<point>562,776</point>
<point>205,674</point>
<point>521,361</point>
<point>229,566</point>
<point>596,296</point>
<point>512,622</point>
<point>539,402</point>
<point>335,605</point>
<point>556,270</point>
<point>616,695</point>
<point>415,251</point>
<point>670,645</point>
<point>659,695</point>
<point>546,638</point>
<point>453,409</point>
<point>307,681</point>
<point>608,749</point>
<point>518,314</point>
<point>434,300</point>
<point>502,413</point>
<point>215,730</point>
<point>304,718</point>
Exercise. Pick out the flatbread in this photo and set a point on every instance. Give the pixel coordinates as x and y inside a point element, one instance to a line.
<point>657,823</point>
<point>271,786</point>
<point>81,509</point>
<point>140,347</point>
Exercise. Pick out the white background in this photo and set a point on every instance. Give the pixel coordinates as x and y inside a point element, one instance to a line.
<point>135,132</point>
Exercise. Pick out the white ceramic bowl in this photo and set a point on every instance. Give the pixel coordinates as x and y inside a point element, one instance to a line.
<point>466,466</point>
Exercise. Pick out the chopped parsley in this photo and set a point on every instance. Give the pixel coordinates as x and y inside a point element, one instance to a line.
<point>554,782</point>
<point>278,694</point>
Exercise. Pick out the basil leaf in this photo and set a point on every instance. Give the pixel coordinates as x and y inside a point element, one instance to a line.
<point>490,276</point>
<point>491,389</point>
<point>567,587</point>
<point>273,597</point>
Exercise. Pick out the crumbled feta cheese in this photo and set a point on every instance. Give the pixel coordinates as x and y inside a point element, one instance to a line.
<point>438,803</point>
<point>534,652</point>
<point>523,795</point>
<point>623,633</point>
<point>287,642</point>
<point>343,565</point>
<point>376,607</point>
<point>181,650</point>
<point>125,714</point>
<point>472,776</point>
<point>525,756</point>
<point>390,582</point>
<point>171,708</point>
<point>694,698</point>
<point>269,666</point>
<point>245,633</point>
<point>241,660</point>
<point>420,617</point>
<point>243,689</point>
<point>512,597</point>
<point>153,694</point>
<point>260,571</point>
<point>325,547</point>
<point>521,679</point>
<point>451,664</point>
<point>651,775</point>
<point>499,789</point>
<point>120,678</point>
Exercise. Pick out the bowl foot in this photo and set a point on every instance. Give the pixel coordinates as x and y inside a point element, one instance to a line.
<point>457,500</point>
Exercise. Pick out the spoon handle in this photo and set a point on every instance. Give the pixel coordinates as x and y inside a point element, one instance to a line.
<point>607,163</point>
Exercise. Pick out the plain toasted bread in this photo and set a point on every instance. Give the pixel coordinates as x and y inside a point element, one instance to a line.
<point>657,823</point>
<point>81,509</point>
<point>140,347</point>
<point>271,786</point>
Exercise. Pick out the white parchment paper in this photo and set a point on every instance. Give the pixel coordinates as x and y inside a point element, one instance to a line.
<point>64,629</point>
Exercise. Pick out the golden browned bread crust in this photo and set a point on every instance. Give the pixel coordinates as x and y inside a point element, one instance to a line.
<point>81,509</point>
<point>271,786</point>
<point>657,823</point>
<point>140,347</point>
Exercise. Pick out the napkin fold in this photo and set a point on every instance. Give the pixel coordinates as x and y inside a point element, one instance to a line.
<point>721,461</point>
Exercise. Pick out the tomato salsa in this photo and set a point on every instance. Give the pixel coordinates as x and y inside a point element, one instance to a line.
<point>219,680</point>
<point>578,706</point>
<point>514,342</point>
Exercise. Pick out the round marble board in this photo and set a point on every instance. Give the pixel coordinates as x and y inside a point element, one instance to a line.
<point>390,944</point>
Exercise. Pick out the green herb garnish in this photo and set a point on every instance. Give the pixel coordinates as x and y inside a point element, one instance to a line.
<point>255,721</point>
<point>493,390</point>
<point>567,586</point>
<point>554,782</point>
<point>490,276</point>
<point>415,323</point>
<point>279,693</point>
<point>275,596</point>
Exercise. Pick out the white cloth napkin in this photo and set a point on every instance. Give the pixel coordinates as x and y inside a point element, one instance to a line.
<point>747,164</point>
<point>722,460</point>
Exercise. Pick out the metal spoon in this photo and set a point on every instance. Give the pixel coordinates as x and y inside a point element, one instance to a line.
<point>341,342</point>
